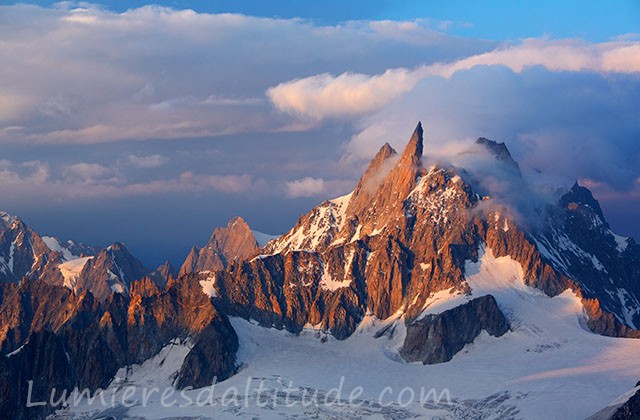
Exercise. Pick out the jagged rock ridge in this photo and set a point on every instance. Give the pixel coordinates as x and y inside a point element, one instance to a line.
<point>226,244</point>
<point>401,236</point>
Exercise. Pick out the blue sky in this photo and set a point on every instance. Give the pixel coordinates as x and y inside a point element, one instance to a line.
<point>595,20</point>
<point>154,125</point>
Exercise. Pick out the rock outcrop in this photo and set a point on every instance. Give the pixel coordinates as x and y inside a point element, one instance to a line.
<point>111,271</point>
<point>227,244</point>
<point>212,358</point>
<point>436,338</point>
<point>77,340</point>
<point>164,273</point>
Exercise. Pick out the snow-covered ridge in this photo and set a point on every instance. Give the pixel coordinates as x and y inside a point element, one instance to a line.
<point>54,245</point>
<point>325,221</point>
<point>7,218</point>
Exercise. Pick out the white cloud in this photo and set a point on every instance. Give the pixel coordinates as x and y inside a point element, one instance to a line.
<point>82,74</point>
<point>351,95</point>
<point>314,187</point>
<point>15,176</point>
<point>150,161</point>
<point>305,187</point>
<point>88,180</point>
<point>556,55</point>
<point>344,96</point>
<point>86,171</point>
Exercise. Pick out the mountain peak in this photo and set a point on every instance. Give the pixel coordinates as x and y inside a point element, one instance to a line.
<point>581,197</point>
<point>499,151</point>
<point>234,241</point>
<point>413,150</point>
<point>117,247</point>
<point>237,221</point>
<point>8,218</point>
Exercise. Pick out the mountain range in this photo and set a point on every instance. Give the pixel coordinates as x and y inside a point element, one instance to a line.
<point>424,268</point>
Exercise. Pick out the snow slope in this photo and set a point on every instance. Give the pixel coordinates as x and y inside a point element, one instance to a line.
<point>71,271</point>
<point>263,238</point>
<point>54,245</point>
<point>547,366</point>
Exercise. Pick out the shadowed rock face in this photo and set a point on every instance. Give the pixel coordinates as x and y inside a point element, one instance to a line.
<point>437,338</point>
<point>212,358</point>
<point>42,360</point>
<point>25,254</point>
<point>607,266</point>
<point>113,269</point>
<point>500,152</point>
<point>630,410</point>
<point>227,244</point>
<point>80,341</point>
<point>163,273</point>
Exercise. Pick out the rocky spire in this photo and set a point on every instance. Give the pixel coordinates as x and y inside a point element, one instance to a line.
<point>413,151</point>
<point>386,183</point>
<point>372,179</point>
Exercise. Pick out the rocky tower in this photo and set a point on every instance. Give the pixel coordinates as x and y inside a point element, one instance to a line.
<point>164,273</point>
<point>226,244</point>
<point>113,269</point>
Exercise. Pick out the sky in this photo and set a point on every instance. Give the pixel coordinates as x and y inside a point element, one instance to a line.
<point>153,124</point>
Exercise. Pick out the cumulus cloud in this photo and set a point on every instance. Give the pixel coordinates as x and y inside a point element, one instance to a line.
<point>150,161</point>
<point>305,187</point>
<point>344,96</point>
<point>27,173</point>
<point>348,95</point>
<point>86,171</point>
<point>158,73</point>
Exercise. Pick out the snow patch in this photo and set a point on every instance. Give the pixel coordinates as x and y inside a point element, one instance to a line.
<point>326,220</point>
<point>621,242</point>
<point>16,351</point>
<point>117,288</point>
<point>263,238</point>
<point>209,286</point>
<point>327,281</point>
<point>71,271</point>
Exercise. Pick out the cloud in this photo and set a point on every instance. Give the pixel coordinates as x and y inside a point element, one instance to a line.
<point>77,73</point>
<point>26,173</point>
<point>556,55</point>
<point>84,180</point>
<point>353,95</point>
<point>313,187</point>
<point>150,161</point>
<point>305,187</point>
<point>344,96</point>
<point>86,171</point>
